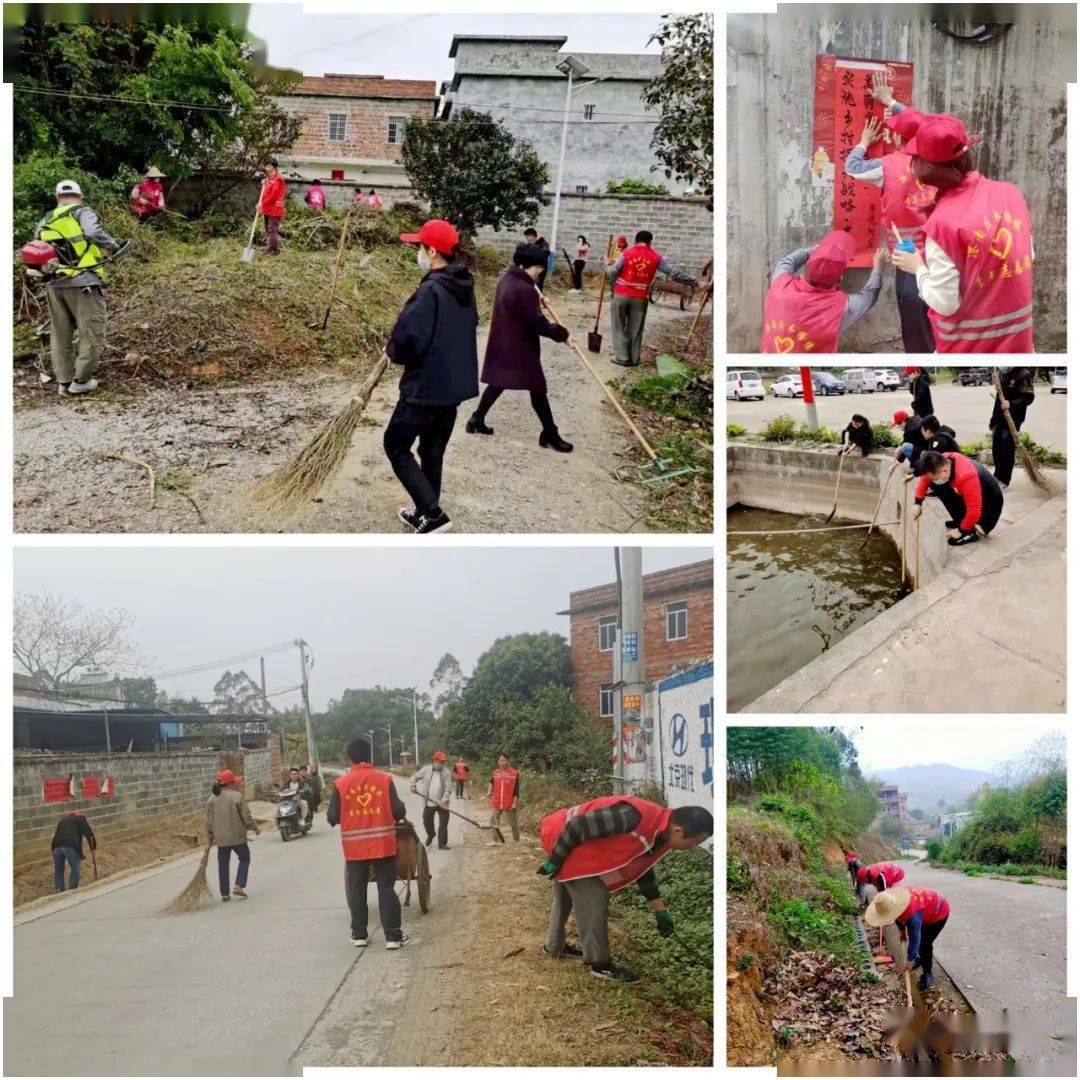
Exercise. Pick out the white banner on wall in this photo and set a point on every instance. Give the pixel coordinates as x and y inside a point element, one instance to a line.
<point>686,734</point>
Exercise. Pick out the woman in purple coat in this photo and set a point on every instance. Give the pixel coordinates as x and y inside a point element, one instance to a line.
<point>512,359</point>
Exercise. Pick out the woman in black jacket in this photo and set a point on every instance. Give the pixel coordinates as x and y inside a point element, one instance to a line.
<point>512,359</point>
<point>921,402</point>
<point>857,435</point>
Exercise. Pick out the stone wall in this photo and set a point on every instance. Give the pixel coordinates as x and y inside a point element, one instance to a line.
<point>1011,93</point>
<point>152,790</point>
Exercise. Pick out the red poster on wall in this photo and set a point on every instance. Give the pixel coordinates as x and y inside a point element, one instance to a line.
<point>91,787</point>
<point>843,102</point>
<point>57,789</point>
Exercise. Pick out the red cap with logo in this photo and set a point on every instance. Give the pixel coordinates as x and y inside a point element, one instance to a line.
<point>439,755</point>
<point>941,138</point>
<point>898,417</point>
<point>830,259</point>
<point>227,776</point>
<point>906,124</point>
<point>436,233</point>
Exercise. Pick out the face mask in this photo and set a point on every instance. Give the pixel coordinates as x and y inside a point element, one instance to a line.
<point>422,260</point>
<point>939,483</point>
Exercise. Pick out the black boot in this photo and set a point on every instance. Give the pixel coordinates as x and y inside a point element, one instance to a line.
<point>476,426</point>
<point>554,441</point>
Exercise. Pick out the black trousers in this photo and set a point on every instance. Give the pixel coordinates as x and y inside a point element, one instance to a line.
<point>1004,450</point>
<point>432,425</point>
<point>541,406</point>
<point>926,944</point>
<point>357,875</point>
<point>460,789</point>
<point>243,857</point>
<point>429,823</point>
<point>579,269</point>
<point>915,326</point>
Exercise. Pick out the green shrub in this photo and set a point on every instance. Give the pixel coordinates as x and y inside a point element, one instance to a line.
<point>633,186</point>
<point>885,436</point>
<point>1026,881</point>
<point>1043,454</point>
<point>780,429</point>
<point>735,431</point>
<point>933,849</point>
<point>747,961</point>
<point>777,802</point>
<point>809,926</point>
<point>972,449</point>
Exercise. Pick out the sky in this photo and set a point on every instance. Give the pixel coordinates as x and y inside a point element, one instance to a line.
<point>416,46</point>
<point>371,615</point>
<point>884,745</point>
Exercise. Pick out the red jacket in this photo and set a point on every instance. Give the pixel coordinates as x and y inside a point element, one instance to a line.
<point>272,200</point>
<point>461,770</point>
<point>617,860</point>
<point>367,820</point>
<point>984,228</point>
<point>934,907</point>
<point>965,482</point>
<point>503,782</point>
<point>889,871</point>
<point>638,270</point>
<point>147,197</point>
<point>801,318</point>
<point>904,201</point>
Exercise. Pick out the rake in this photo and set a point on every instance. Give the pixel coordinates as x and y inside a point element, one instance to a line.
<point>659,470</point>
<point>496,832</point>
<point>196,894</point>
<point>1031,466</point>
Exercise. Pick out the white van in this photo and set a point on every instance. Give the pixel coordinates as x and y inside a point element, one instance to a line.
<point>742,385</point>
<point>860,380</point>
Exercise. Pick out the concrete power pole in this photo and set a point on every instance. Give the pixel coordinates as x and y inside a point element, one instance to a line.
<point>262,679</point>
<point>415,731</point>
<point>313,754</point>
<point>629,660</point>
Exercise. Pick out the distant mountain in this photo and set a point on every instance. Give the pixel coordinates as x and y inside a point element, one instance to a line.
<point>925,784</point>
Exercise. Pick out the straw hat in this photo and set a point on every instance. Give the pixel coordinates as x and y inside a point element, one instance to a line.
<point>886,907</point>
<point>154,173</point>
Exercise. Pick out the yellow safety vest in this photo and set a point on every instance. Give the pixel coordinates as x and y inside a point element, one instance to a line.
<point>64,226</point>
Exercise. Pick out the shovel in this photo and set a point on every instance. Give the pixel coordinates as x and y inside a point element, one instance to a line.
<point>836,493</point>
<point>693,326</point>
<point>596,339</point>
<point>248,254</point>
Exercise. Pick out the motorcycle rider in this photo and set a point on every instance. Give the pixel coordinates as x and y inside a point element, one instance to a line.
<point>310,773</point>
<point>299,790</point>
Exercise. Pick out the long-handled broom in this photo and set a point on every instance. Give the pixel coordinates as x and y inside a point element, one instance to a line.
<point>836,493</point>
<point>496,832</point>
<point>196,894</point>
<point>1031,466</point>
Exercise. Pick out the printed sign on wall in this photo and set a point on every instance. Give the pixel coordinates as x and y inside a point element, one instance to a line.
<point>91,787</point>
<point>58,789</point>
<point>686,731</point>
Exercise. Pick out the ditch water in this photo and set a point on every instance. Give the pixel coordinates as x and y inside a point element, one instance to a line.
<point>791,597</point>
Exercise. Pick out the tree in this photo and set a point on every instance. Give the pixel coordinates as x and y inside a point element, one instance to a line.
<point>447,681</point>
<point>54,637</point>
<point>140,693</point>
<point>473,172</point>
<point>683,94</point>
<point>238,694</point>
<point>359,711</point>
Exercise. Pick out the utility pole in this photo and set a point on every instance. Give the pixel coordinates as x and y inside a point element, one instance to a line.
<point>262,676</point>
<point>415,731</point>
<point>313,754</point>
<point>630,660</point>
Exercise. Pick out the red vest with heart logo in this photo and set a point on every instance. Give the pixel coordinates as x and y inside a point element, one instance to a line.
<point>905,202</point>
<point>984,228</point>
<point>638,270</point>
<point>801,318</point>
<point>502,788</point>
<point>617,860</point>
<point>890,871</point>
<point>367,821</point>
<point>934,906</point>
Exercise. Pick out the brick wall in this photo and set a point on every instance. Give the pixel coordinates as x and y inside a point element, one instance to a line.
<point>366,125</point>
<point>152,790</point>
<point>591,667</point>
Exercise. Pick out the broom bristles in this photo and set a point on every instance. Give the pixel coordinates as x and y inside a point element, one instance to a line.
<point>196,894</point>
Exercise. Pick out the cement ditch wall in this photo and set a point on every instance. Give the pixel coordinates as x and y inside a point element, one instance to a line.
<point>152,790</point>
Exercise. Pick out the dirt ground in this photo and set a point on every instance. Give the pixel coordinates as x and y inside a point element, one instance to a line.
<point>208,444</point>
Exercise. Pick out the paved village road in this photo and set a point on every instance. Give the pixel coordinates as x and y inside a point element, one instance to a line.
<point>107,986</point>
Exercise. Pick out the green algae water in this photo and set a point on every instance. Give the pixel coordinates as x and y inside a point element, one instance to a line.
<point>791,597</point>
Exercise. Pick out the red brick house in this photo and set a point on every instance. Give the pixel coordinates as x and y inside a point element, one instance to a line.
<point>678,617</point>
<point>354,125</point>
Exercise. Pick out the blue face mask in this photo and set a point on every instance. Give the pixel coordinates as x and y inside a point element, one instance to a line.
<point>940,483</point>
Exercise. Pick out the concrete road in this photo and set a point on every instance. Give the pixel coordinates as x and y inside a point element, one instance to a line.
<point>241,989</point>
<point>965,408</point>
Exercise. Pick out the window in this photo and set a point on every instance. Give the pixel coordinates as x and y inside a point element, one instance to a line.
<point>676,621</point>
<point>395,129</point>
<point>605,630</point>
<point>335,127</point>
<point>607,700</point>
<point>337,174</point>
<point>581,189</point>
<point>589,111</point>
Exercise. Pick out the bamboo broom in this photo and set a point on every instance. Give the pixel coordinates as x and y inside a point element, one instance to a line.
<point>196,894</point>
<point>1031,466</point>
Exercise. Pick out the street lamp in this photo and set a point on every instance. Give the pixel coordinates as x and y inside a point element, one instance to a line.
<point>570,66</point>
<point>415,727</point>
<point>389,744</point>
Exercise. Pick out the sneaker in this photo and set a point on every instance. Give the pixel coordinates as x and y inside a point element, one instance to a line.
<point>62,389</point>
<point>556,442</point>
<point>88,386</point>
<point>436,523</point>
<point>476,426</point>
<point>408,516</point>
<point>400,943</point>
<point>225,899</point>
<point>238,892</point>
<point>617,974</point>
<point>444,847</point>
<point>571,950</point>
<point>429,841</point>
<point>359,941</point>
<point>1001,484</point>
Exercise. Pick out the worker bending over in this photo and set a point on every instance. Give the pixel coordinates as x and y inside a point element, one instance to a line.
<point>969,492</point>
<point>920,915</point>
<point>882,875</point>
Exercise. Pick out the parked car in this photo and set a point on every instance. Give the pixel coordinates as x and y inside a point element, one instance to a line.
<point>887,379</point>
<point>826,383</point>
<point>787,386</point>
<point>974,377</point>
<point>743,385</point>
<point>1058,381</point>
<point>860,380</point>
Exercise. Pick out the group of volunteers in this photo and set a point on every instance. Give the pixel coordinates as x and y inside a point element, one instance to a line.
<point>919,914</point>
<point>960,244</point>
<point>591,850</point>
<point>971,495</point>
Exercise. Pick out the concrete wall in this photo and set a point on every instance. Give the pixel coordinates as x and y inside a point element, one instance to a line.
<point>152,790</point>
<point>1012,93</point>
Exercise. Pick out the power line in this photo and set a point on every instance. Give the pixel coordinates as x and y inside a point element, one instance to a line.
<point>125,100</point>
<point>196,668</point>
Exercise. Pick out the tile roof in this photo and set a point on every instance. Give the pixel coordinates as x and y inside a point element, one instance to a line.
<point>374,86</point>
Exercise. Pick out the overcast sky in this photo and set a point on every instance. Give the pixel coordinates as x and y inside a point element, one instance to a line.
<point>371,615</point>
<point>416,46</point>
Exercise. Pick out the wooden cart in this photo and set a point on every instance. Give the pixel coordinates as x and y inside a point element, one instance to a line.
<point>685,293</point>
<point>412,865</point>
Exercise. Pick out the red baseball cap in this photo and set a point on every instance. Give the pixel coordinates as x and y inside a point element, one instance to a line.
<point>227,776</point>
<point>622,242</point>
<point>439,755</point>
<point>941,138</point>
<point>830,259</point>
<point>898,417</point>
<point>436,233</point>
<point>911,370</point>
<point>906,124</point>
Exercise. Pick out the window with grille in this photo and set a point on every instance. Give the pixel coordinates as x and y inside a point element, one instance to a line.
<point>337,174</point>
<point>581,189</point>
<point>607,700</point>
<point>335,127</point>
<point>605,632</point>
<point>676,621</point>
<point>395,130</point>
<point>589,111</point>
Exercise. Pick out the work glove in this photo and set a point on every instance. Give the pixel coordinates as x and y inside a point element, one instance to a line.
<point>547,868</point>
<point>665,924</point>
<point>560,333</point>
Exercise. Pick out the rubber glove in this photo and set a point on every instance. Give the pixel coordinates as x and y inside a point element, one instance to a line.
<point>547,868</point>
<point>665,925</point>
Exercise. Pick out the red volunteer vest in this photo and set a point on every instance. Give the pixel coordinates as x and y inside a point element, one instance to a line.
<point>934,906</point>
<point>502,788</point>
<point>461,770</point>
<point>801,318</point>
<point>639,269</point>
<point>888,870</point>
<point>272,200</point>
<point>984,228</point>
<point>316,198</point>
<point>905,202</point>
<point>367,822</point>
<point>617,860</point>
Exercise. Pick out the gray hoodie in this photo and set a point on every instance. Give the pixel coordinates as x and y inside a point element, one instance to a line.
<point>433,782</point>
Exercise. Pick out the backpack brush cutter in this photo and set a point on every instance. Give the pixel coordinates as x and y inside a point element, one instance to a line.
<point>41,259</point>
